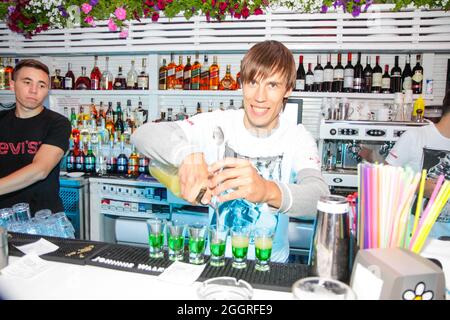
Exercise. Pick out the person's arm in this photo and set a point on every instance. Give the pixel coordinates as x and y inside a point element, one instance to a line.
<point>47,157</point>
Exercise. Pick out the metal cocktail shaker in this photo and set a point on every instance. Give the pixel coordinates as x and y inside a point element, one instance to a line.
<point>3,248</point>
<point>330,254</point>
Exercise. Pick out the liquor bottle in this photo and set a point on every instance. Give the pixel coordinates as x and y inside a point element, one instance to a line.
<point>210,106</point>
<point>133,162</point>
<point>182,114</point>
<point>69,79</point>
<point>111,161</point>
<point>70,158</point>
<point>80,116</point>
<point>407,74</point>
<point>132,77</point>
<point>301,75</point>
<point>100,163</point>
<point>171,68</point>
<point>119,125</point>
<point>309,79</point>
<point>79,157</point>
<point>143,79</point>
<point>214,71</point>
<point>106,82</point>
<point>338,75</point>
<point>2,75</point>
<point>204,74</point>
<point>169,114</point>
<point>377,76</point>
<point>141,114</point>
<point>199,109</point>
<point>238,80</point>
<point>179,74</point>
<point>109,119</point>
<point>122,160</point>
<point>396,77</point>
<point>162,76</point>
<point>93,110</point>
<point>367,73</point>
<point>56,80</point>
<point>103,132</point>
<point>120,83</point>
<point>8,73</point>
<point>94,133</point>
<point>386,80</point>
<point>96,76</point>
<point>129,117</point>
<point>75,133</point>
<point>195,74</point>
<point>349,74</point>
<point>417,76</point>
<point>89,160</point>
<point>162,117</point>
<point>143,164</point>
<point>358,76</point>
<point>84,131</point>
<point>101,114</point>
<point>227,82</point>
<point>231,105</point>
<point>328,76</point>
<point>83,82</point>
<point>221,107</point>
<point>318,76</point>
<point>187,74</point>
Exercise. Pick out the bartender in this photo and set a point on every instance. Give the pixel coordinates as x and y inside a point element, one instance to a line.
<point>33,140</point>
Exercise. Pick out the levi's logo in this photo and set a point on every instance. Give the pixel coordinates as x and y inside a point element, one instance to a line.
<point>30,147</point>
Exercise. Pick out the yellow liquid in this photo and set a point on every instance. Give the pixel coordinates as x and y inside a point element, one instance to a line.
<point>239,241</point>
<point>263,243</point>
<point>171,181</point>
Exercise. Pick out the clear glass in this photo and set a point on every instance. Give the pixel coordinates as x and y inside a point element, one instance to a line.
<point>316,288</point>
<point>263,248</point>
<point>197,239</point>
<point>240,236</point>
<point>7,217</point>
<point>175,240</point>
<point>225,288</point>
<point>155,237</point>
<point>22,212</point>
<point>217,244</point>
<point>167,175</point>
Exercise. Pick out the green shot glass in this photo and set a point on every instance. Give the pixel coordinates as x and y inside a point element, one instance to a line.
<point>239,244</point>
<point>197,239</point>
<point>263,248</point>
<point>175,239</point>
<point>155,237</point>
<point>217,244</point>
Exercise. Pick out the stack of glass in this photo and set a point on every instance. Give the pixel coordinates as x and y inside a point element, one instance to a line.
<point>18,219</point>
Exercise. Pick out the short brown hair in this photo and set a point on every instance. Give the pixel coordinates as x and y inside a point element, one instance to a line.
<point>31,63</point>
<point>266,58</point>
<point>446,103</point>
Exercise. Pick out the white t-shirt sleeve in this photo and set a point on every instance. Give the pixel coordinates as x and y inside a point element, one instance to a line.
<point>307,153</point>
<point>402,151</point>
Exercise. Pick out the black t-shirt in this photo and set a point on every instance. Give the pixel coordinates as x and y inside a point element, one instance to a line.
<point>20,140</point>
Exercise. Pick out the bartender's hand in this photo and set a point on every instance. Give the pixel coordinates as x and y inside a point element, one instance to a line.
<point>241,175</point>
<point>430,184</point>
<point>193,174</point>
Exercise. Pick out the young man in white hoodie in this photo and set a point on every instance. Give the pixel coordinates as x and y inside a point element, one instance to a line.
<point>268,168</point>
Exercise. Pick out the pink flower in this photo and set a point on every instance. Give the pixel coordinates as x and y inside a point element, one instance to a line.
<point>223,6</point>
<point>237,15</point>
<point>245,12</point>
<point>120,13</point>
<point>161,5</point>
<point>258,11</point>
<point>111,25</point>
<point>155,16</point>
<point>123,34</point>
<point>90,20</point>
<point>86,8</point>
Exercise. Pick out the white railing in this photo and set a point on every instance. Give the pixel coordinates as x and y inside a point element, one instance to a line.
<point>378,29</point>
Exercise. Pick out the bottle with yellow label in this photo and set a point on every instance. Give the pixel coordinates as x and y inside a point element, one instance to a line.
<point>419,110</point>
<point>167,175</point>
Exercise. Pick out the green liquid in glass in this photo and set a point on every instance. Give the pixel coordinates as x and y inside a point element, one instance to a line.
<point>218,248</point>
<point>156,240</point>
<point>196,245</point>
<point>263,254</point>
<point>239,253</point>
<point>176,242</point>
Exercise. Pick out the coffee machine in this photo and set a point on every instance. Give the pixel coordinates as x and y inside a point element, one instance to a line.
<point>343,144</point>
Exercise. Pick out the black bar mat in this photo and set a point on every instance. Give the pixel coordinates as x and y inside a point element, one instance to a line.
<point>70,250</point>
<point>281,276</point>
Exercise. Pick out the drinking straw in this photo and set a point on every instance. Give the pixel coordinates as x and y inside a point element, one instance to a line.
<point>377,207</point>
<point>403,225</point>
<point>366,209</point>
<point>419,200</point>
<point>360,196</point>
<point>442,198</point>
<point>428,207</point>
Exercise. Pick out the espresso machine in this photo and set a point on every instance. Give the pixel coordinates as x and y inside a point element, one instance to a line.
<point>343,144</point>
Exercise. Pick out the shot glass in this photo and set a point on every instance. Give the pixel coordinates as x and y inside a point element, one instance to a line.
<point>217,244</point>
<point>22,211</point>
<point>197,238</point>
<point>240,236</point>
<point>7,217</point>
<point>175,239</point>
<point>155,237</point>
<point>263,248</point>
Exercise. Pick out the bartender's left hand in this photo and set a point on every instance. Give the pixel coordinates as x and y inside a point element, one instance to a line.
<point>240,175</point>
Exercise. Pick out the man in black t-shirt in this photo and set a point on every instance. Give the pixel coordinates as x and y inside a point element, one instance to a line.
<point>33,140</point>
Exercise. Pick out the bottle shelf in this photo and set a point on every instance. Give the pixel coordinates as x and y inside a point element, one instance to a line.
<point>99,92</point>
<point>6,92</point>
<point>350,95</point>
